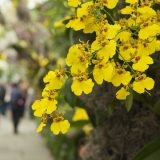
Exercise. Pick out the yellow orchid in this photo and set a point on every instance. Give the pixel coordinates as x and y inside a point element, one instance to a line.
<point>143,83</point>
<point>80,114</point>
<point>103,71</point>
<point>60,125</point>
<point>81,83</point>
<point>121,76</point>
<point>122,93</point>
<point>141,62</point>
<point>74,3</point>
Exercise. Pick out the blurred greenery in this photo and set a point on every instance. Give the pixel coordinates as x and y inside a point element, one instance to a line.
<point>49,13</point>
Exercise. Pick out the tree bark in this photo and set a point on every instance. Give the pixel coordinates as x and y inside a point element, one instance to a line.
<point>121,135</point>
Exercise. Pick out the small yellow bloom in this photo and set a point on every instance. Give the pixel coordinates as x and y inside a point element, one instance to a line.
<point>124,36</point>
<point>76,24</point>
<point>51,105</point>
<point>126,52</point>
<point>44,106</point>
<point>43,61</point>
<point>39,109</point>
<point>81,83</point>
<point>79,86</point>
<point>60,125</point>
<point>149,31</point>
<point>146,48</point>
<point>87,129</point>
<point>80,114</point>
<point>122,93</point>
<point>90,24</point>
<point>103,71</point>
<point>143,82</point>
<point>121,76</point>
<point>127,10</point>
<point>47,93</point>
<point>106,49</point>
<point>78,58</point>
<point>85,19</point>
<point>55,78</point>
<point>112,31</point>
<point>85,9</point>
<point>58,24</point>
<point>109,3</point>
<point>141,63</point>
<point>147,11</point>
<point>74,3</point>
<point>40,127</point>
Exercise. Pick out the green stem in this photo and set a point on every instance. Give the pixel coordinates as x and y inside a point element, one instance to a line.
<point>109,16</point>
<point>71,37</point>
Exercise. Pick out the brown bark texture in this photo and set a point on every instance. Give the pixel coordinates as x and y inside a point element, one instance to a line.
<point>122,134</point>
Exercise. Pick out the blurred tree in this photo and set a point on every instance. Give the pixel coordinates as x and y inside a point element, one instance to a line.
<point>118,134</point>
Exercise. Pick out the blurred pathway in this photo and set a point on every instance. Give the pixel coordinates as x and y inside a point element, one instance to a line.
<point>25,146</point>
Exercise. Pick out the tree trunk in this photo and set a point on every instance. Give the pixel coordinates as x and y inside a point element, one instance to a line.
<point>118,136</point>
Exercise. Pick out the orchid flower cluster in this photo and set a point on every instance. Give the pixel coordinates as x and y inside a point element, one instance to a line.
<point>121,53</point>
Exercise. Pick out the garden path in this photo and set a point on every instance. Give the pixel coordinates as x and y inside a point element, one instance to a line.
<point>27,145</point>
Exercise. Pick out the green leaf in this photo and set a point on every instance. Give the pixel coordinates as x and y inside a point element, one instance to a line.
<point>129,101</point>
<point>150,152</point>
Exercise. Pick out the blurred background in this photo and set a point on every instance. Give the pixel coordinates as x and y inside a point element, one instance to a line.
<point>33,40</point>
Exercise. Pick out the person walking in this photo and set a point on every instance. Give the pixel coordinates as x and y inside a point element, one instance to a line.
<point>18,98</point>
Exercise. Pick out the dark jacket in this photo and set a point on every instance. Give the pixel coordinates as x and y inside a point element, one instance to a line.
<point>17,102</point>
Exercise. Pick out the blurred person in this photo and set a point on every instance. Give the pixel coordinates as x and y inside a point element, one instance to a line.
<point>18,98</point>
<point>2,99</point>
